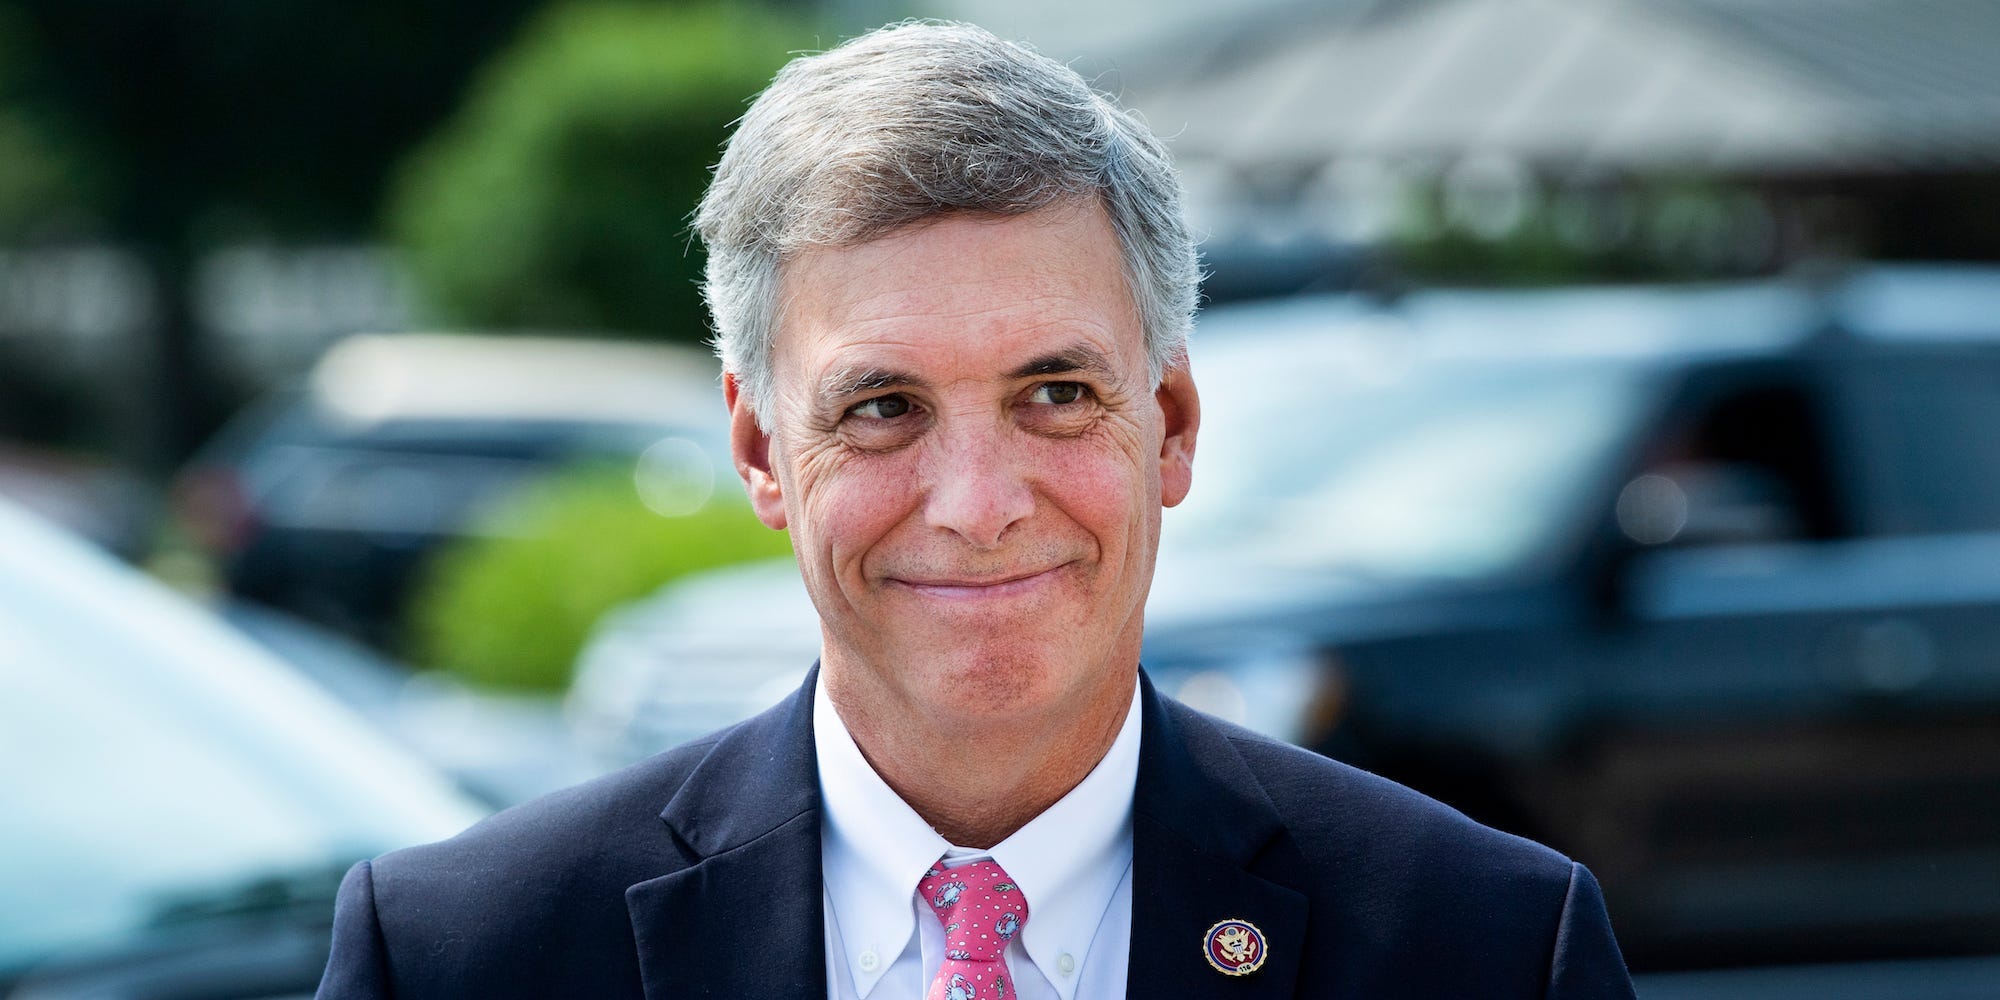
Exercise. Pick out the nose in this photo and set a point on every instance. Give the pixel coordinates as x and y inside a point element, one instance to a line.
<point>973,488</point>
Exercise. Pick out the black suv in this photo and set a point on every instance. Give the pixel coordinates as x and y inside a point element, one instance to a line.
<point>1701,586</point>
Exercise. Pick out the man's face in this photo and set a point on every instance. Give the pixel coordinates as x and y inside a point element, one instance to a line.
<point>972,460</point>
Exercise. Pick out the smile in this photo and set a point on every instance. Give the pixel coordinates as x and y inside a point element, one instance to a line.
<point>959,589</point>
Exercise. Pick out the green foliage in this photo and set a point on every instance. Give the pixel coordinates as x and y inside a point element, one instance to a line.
<point>210,122</point>
<point>43,169</point>
<point>560,195</point>
<point>35,174</point>
<point>1654,229</point>
<point>512,610</point>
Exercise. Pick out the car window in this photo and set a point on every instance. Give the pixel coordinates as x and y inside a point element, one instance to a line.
<point>1443,470</point>
<point>1749,461</point>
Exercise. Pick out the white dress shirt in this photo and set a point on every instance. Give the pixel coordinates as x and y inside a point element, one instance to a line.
<point>1073,864</point>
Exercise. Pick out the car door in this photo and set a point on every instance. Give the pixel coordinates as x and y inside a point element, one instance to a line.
<point>1802,669</point>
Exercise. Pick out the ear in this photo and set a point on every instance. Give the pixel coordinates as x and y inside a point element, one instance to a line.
<point>1180,406</point>
<point>750,448</point>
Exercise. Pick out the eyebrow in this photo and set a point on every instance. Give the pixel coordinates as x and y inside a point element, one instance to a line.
<point>1080,358</point>
<point>851,381</point>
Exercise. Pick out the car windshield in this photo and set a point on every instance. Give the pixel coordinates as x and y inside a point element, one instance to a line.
<point>158,767</point>
<point>1440,469</point>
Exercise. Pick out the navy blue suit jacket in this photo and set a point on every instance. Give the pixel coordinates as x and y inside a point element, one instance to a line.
<point>673,877</point>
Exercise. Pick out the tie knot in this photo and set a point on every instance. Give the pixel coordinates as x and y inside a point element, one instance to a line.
<point>980,907</point>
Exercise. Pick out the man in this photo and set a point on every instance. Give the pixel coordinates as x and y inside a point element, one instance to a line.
<point>952,287</point>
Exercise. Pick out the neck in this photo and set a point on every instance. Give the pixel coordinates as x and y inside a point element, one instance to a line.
<point>1026,762</point>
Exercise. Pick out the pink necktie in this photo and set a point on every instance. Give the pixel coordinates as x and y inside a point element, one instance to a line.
<point>981,910</point>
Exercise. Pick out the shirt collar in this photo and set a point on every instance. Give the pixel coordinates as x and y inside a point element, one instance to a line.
<point>874,848</point>
<point>1069,860</point>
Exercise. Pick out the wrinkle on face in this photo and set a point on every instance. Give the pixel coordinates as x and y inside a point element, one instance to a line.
<point>969,321</point>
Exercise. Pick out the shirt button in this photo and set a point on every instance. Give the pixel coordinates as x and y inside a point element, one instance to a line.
<point>1065,964</point>
<point>867,960</point>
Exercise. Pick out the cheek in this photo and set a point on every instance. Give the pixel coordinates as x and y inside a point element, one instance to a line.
<point>1101,488</point>
<point>847,503</point>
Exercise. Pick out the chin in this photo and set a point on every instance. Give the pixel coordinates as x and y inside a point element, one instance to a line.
<point>1005,676</point>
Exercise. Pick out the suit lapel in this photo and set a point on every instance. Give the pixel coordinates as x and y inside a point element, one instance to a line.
<point>745,917</point>
<point>748,817</point>
<point>1200,823</point>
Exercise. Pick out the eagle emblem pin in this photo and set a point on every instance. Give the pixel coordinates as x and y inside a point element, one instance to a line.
<point>1234,947</point>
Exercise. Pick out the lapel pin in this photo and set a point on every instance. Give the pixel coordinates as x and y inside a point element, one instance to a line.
<point>1234,947</point>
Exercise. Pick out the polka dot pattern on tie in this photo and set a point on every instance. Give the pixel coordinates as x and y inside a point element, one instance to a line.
<point>981,910</point>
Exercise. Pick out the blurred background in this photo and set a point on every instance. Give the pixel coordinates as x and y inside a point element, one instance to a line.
<point>1603,436</point>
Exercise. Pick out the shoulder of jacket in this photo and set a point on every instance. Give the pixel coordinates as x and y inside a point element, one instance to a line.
<point>1326,803</point>
<point>609,826</point>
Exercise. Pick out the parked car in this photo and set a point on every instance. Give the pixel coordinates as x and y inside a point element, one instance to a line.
<point>179,807</point>
<point>1701,585</point>
<point>325,500</point>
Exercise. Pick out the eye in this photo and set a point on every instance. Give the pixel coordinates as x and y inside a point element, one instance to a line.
<point>1058,393</point>
<point>880,408</point>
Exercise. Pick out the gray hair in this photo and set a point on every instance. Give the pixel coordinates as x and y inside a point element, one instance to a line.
<point>913,121</point>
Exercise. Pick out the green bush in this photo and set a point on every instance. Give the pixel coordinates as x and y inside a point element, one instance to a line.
<point>51,178</point>
<point>511,609</point>
<point>560,195</point>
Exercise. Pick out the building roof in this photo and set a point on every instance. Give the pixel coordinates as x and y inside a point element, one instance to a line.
<point>1735,86</point>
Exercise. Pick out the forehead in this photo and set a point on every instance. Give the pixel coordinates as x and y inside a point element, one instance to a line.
<point>962,287</point>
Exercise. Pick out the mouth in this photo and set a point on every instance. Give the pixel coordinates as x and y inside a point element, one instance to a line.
<point>979,588</point>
